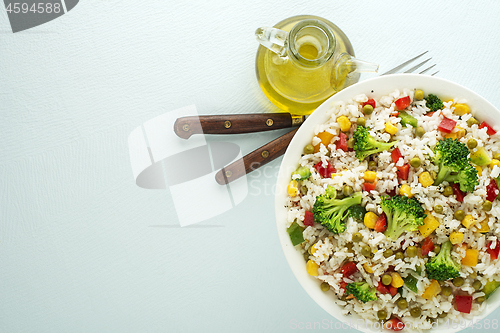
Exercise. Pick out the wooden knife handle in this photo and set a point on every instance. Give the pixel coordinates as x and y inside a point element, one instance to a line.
<point>184,127</point>
<point>255,159</point>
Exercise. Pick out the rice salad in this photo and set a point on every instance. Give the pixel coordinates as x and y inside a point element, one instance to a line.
<point>394,207</point>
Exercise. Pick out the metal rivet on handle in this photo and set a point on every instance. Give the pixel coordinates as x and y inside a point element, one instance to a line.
<point>228,173</point>
<point>227,124</point>
<point>265,154</point>
<point>269,122</point>
<point>185,127</point>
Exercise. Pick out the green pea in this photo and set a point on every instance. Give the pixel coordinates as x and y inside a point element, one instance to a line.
<point>473,275</point>
<point>471,143</point>
<point>357,237</point>
<point>382,314</point>
<point>388,253</point>
<point>419,131</point>
<point>303,190</point>
<point>347,190</point>
<point>411,251</point>
<point>372,165</point>
<point>480,300</point>
<point>487,205</point>
<point>415,312</point>
<point>459,215</point>
<point>448,190</point>
<point>309,149</point>
<point>433,174</point>
<point>361,121</point>
<point>446,291</point>
<point>477,285</point>
<point>472,121</point>
<point>402,303</point>
<point>306,256</point>
<point>437,248</point>
<point>325,286</point>
<point>458,282</point>
<point>350,143</point>
<point>367,109</point>
<point>438,209</point>
<point>366,251</point>
<point>443,315</point>
<point>415,162</point>
<point>419,95</point>
<point>386,279</point>
<point>399,255</point>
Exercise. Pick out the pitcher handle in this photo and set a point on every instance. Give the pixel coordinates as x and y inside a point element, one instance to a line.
<point>273,39</point>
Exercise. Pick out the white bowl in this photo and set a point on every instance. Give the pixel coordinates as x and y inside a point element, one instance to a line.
<point>375,87</point>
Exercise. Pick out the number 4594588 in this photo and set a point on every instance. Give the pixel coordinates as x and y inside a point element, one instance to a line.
<point>36,8</point>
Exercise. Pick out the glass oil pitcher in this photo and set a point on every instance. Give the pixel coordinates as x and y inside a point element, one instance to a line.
<point>303,61</point>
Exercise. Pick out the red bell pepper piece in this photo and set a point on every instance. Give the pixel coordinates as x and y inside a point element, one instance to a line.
<point>403,171</point>
<point>394,324</point>
<point>493,251</point>
<point>447,125</point>
<point>381,223</point>
<point>391,193</point>
<point>348,269</point>
<point>429,114</point>
<point>396,155</point>
<point>325,171</point>
<point>342,142</point>
<point>464,303</point>
<point>459,195</point>
<point>382,289</point>
<point>369,186</point>
<point>402,103</point>
<point>427,246</point>
<point>309,219</point>
<point>371,101</point>
<point>492,190</point>
<point>343,284</point>
<point>489,129</point>
<point>392,290</point>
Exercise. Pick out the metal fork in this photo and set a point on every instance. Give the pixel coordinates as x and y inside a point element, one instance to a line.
<point>414,68</point>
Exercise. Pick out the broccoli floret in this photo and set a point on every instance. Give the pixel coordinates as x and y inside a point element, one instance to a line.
<point>443,267</point>
<point>454,164</point>
<point>331,212</point>
<point>362,291</point>
<point>403,214</point>
<point>433,102</point>
<point>365,145</point>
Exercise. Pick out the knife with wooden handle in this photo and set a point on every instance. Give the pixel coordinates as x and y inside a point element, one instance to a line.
<point>255,159</point>
<point>184,127</point>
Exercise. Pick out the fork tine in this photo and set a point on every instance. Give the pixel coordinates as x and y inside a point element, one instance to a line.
<point>417,66</point>
<point>427,69</point>
<point>397,68</point>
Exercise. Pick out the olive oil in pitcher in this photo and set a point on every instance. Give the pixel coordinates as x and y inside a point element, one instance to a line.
<point>303,61</point>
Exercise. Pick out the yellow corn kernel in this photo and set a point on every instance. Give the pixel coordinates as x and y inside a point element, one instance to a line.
<point>405,189</point>
<point>430,224</point>
<point>425,179</point>
<point>461,109</point>
<point>390,128</point>
<point>336,174</point>
<point>370,219</point>
<point>397,281</point>
<point>293,188</point>
<point>370,176</point>
<point>468,221</point>
<point>312,249</point>
<point>456,237</point>
<point>494,162</point>
<point>312,268</point>
<point>460,132</point>
<point>345,123</point>
<point>452,135</point>
<point>479,170</point>
<point>483,226</point>
<point>471,257</point>
<point>432,290</point>
<point>367,268</point>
